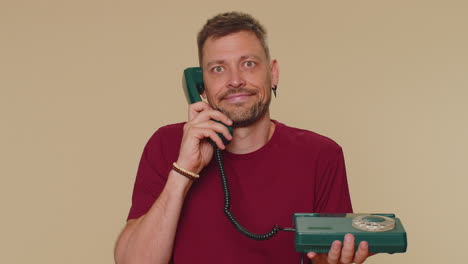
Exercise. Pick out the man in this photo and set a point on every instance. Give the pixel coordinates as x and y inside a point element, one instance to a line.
<point>273,170</point>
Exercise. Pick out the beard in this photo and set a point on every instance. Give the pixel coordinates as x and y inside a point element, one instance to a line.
<point>243,116</point>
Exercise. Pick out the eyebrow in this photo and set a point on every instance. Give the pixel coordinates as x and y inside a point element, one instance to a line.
<point>214,62</point>
<point>224,61</point>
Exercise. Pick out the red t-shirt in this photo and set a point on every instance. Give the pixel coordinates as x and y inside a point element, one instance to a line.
<point>296,171</point>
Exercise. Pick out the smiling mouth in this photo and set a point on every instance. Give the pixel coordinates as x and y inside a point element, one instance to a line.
<point>238,97</point>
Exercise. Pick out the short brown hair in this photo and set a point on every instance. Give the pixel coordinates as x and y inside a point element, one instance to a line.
<point>227,23</point>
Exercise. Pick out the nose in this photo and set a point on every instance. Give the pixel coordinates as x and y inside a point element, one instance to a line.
<point>236,79</point>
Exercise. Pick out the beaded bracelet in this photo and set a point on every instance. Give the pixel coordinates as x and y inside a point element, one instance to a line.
<point>191,175</point>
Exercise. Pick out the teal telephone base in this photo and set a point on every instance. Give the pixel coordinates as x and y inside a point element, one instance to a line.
<point>316,232</point>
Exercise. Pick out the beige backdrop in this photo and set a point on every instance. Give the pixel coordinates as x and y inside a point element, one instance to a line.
<point>83,84</point>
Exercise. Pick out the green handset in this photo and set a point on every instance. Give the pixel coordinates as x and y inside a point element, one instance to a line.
<point>193,87</point>
<point>193,84</point>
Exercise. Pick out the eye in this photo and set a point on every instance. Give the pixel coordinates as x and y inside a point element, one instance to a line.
<point>249,64</point>
<point>218,69</point>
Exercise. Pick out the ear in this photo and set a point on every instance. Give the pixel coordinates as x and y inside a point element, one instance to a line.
<point>274,70</point>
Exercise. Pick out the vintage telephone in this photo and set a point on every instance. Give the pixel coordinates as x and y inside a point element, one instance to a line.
<point>313,232</point>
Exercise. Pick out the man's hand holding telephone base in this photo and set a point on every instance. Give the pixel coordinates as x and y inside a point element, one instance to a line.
<point>342,252</point>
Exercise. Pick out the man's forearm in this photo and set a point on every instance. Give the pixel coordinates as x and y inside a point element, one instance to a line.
<point>150,238</point>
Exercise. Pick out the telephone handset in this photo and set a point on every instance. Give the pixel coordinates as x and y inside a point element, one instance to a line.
<point>193,87</point>
<point>193,84</point>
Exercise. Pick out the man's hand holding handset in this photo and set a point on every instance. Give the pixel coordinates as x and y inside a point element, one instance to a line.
<point>195,151</point>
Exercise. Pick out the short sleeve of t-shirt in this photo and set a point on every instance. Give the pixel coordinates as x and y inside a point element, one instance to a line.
<point>155,163</point>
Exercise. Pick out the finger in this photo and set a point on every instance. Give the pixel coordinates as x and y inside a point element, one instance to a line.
<point>218,127</point>
<point>317,258</point>
<point>362,253</point>
<point>347,253</point>
<point>202,107</point>
<point>204,133</point>
<point>196,108</point>
<point>190,128</point>
<point>211,114</point>
<point>311,255</point>
<point>335,252</point>
<point>206,129</point>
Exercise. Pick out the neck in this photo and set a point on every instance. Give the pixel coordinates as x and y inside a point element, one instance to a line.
<point>253,137</point>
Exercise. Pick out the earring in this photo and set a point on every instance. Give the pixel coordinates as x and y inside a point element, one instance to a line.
<point>274,89</point>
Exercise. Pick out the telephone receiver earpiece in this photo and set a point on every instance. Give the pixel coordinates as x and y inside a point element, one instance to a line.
<point>193,87</point>
<point>192,82</point>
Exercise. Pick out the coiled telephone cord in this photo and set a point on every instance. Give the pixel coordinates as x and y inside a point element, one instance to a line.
<point>227,205</point>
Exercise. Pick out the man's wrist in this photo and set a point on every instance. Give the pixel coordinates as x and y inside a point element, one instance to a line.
<point>188,166</point>
<point>178,184</point>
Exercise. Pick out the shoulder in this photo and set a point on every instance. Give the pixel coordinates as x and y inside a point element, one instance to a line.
<point>169,135</point>
<point>306,140</point>
<point>171,130</point>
